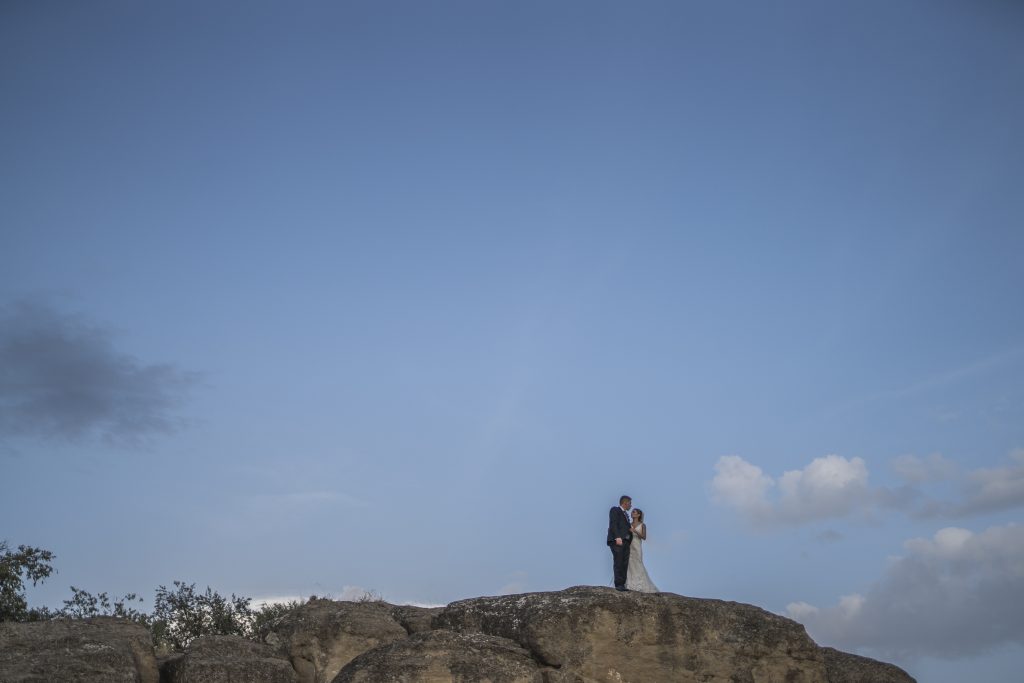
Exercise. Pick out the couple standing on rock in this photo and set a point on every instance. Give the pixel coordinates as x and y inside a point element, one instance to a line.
<point>626,535</point>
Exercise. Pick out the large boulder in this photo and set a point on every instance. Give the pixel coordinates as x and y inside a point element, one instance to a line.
<point>843,667</point>
<point>598,634</point>
<point>97,650</point>
<point>321,636</point>
<point>415,619</point>
<point>226,659</point>
<point>580,635</point>
<point>444,657</point>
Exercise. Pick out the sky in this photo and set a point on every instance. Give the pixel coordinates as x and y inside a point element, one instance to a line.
<point>322,297</point>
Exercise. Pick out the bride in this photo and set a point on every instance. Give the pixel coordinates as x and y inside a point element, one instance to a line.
<point>636,575</point>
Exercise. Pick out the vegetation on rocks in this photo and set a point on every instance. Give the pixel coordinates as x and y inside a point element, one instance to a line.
<point>583,634</point>
<point>180,614</point>
<point>16,567</point>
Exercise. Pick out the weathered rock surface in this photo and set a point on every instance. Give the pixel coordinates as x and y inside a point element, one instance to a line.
<point>98,650</point>
<point>579,635</point>
<point>442,657</point>
<point>597,634</point>
<point>322,636</point>
<point>843,667</point>
<point>226,659</point>
<point>415,619</point>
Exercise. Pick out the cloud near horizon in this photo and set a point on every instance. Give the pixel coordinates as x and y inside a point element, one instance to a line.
<point>348,594</point>
<point>834,487</point>
<point>831,486</point>
<point>62,376</point>
<point>953,595</point>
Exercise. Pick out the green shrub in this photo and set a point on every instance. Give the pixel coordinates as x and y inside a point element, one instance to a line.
<point>16,567</point>
<point>180,615</point>
<point>84,604</point>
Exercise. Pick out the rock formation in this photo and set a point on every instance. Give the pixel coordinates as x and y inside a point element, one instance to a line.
<point>579,635</point>
<point>225,659</point>
<point>444,656</point>
<point>322,636</point>
<point>102,649</point>
<point>415,619</point>
<point>842,667</point>
<point>596,634</point>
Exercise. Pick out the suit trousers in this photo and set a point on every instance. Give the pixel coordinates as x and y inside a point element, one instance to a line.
<point>620,562</point>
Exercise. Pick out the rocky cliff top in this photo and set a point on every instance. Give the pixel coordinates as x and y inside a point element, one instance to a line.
<point>579,635</point>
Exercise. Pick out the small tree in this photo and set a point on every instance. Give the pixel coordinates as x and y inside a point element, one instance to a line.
<point>182,615</point>
<point>16,567</point>
<point>269,617</point>
<point>370,596</point>
<point>83,605</point>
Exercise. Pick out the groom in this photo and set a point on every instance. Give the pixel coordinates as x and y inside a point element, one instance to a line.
<point>619,538</point>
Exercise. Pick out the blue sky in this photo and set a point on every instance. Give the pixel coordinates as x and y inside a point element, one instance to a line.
<point>402,296</point>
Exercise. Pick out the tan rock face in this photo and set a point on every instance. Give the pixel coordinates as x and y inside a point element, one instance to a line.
<point>843,667</point>
<point>597,634</point>
<point>225,659</point>
<point>100,650</point>
<point>444,657</point>
<point>415,619</point>
<point>580,635</point>
<point>322,636</point>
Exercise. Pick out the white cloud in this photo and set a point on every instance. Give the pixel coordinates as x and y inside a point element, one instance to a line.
<point>259,603</point>
<point>851,605</point>
<point>832,486</point>
<point>357,593</point>
<point>955,594</point>
<point>828,487</point>
<point>740,484</point>
<point>835,487</point>
<point>946,544</point>
<point>348,593</point>
<point>801,611</point>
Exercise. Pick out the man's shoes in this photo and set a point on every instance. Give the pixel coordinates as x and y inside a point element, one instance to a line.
<point>622,589</point>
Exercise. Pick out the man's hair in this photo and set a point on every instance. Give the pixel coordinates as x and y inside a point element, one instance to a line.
<point>623,499</point>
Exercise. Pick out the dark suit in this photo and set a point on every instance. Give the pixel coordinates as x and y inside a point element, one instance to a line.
<point>618,527</point>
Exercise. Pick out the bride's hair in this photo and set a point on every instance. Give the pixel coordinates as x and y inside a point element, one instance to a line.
<point>640,512</point>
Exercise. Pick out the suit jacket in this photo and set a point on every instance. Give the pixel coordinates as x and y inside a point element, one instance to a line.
<point>618,526</point>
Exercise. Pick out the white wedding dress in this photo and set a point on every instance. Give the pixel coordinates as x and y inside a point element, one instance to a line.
<point>636,574</point>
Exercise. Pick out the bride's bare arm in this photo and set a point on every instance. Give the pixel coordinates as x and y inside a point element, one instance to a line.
<point>641,531</point>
